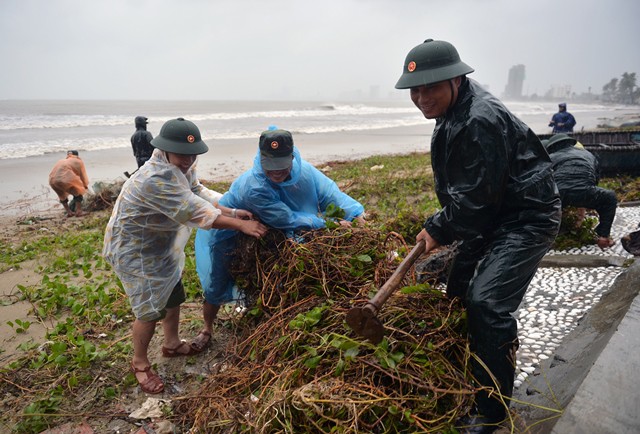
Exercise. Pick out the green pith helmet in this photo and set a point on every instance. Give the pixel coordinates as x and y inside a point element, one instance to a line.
<point>558,142</point>
<point>180,136</point>
<point>431,62</point>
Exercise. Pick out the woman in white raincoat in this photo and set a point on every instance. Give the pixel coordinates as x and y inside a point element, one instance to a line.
<point>146,235</point>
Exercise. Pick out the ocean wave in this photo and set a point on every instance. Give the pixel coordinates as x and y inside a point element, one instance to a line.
<point>40,147</point>
<point>11,122</point>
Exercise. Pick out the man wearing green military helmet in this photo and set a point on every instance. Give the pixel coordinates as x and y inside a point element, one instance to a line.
<point>146,235</point>
<point>499,201</point>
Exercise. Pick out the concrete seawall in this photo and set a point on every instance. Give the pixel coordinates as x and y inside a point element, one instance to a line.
<point>590,385</point>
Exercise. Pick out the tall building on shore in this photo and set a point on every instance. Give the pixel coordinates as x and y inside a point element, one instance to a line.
<point>513,90</point>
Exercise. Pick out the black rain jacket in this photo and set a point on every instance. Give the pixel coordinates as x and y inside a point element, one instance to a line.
<point>492,174</point>
<point>574,169</point>
<point>141,142</point>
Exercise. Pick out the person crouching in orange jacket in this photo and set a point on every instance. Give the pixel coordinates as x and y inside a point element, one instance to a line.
<point>69,177</point>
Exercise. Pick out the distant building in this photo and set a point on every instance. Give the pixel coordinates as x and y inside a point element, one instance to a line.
<point>513,90</point>
<point>559,92</point>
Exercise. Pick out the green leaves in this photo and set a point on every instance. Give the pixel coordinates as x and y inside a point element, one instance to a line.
<point>416,289</point>
<point>306,321</point>
<point>359,264</point>
<point>334,212</point>
<point>388,359</point>
<point>20,326</point>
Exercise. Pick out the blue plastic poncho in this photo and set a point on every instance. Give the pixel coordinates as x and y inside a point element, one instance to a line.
<point>566,119</point>
<point>293,205</point>
<point>149,228</point>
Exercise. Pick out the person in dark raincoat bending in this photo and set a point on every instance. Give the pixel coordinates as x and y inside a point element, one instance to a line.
<point>575,171</point>
<point>284,192</point>
<point>493,179</point>
<point>141,141</point>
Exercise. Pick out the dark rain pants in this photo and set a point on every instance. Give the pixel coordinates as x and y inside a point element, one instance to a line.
<point>491,279</point>
<point>602,200</point>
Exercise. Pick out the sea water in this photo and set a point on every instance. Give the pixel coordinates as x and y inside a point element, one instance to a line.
<point>31,128</point>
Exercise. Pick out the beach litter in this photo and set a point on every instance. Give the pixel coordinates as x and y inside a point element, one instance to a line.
<point>104,197</point>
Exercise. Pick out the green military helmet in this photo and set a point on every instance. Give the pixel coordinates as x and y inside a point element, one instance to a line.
<point>558,142</point>
<point>180,136</point>
<point>431,62</point>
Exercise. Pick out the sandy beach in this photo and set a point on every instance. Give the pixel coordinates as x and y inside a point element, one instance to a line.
<point>25,186</point>
<point>25,189</point>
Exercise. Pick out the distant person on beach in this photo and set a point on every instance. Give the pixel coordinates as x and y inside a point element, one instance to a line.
<point>283,191</point>
<point>576,174</point>
<point>493,179</point>
<point>146,235</point>
<point>563,121</point>
<point>69,177</point>
<point>141,141</point>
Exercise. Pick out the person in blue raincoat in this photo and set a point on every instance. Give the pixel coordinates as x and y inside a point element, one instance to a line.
<point>563,121</point>
<point>284,192</point>
<point>499,201</point>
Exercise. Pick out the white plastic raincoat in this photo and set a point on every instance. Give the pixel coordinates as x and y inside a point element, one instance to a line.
<point>149,228</point>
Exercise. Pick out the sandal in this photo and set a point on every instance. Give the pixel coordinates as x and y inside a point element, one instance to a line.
<point>151,383</point>
<point>175,352</point>
<point>199,344</point>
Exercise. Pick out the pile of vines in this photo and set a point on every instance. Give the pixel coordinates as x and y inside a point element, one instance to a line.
<point>297,367</point>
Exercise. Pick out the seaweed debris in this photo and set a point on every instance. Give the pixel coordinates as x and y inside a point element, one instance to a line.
<point>296,367</point>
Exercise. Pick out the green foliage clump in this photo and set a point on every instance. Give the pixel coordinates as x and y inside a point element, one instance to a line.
<point>626,187</point>
<point>298,367</point>
<point>575,230</point>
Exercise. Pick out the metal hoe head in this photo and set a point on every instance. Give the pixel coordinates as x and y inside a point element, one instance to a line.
<point>363,321</point>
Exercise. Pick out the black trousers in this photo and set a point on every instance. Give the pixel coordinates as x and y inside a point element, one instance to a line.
<point>491,278</point>
<point>602,200</point>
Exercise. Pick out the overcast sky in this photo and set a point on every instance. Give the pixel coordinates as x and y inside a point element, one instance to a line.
<point>301,49</point>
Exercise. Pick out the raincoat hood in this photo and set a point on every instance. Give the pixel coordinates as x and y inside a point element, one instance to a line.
<point>141,122</point>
